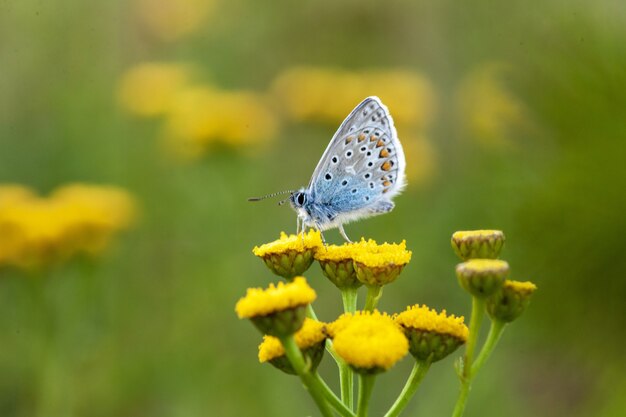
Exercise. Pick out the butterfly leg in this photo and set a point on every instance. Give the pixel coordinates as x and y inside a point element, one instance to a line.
<point>343,233</point>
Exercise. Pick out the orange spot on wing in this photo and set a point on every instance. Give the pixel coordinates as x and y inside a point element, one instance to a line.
<point>361,137</point>
<point>349,139</point>
<point>383,153</point>
<point>380,143</point>
<point>386,184</point>
<point>386,166</point>
<point>373,138</point>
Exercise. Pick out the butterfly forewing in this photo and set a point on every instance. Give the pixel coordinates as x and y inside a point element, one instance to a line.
<point>364,162</point>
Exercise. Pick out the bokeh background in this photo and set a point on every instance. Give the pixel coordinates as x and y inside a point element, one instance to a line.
<point>512,116</point>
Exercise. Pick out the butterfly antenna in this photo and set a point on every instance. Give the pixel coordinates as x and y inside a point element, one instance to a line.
<point>270,195</point>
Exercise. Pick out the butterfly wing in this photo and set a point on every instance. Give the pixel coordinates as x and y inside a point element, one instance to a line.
<point>363,165</point>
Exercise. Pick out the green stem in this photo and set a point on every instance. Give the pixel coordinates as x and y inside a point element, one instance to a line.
<point>333,400</point>
<point>417,374</point>
<point>366,385</point>
<point>478,311</point>
<point>310,382</point>
<point>346,376</point>
<point>349,297</point>
<point>495,331</point>
<point>374,293</point>
<point>310,312</point>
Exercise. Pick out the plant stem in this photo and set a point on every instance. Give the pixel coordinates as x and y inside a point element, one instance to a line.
<point>495,331</point>
<point>420,369</point>
<point>333,400</point>
<point>374,292</point>
<point>478,311</point>
<point>310,382</point>
<point>346,376</point>
<point>349,297</point>
<point>366,385</point>
<point>310,312</point>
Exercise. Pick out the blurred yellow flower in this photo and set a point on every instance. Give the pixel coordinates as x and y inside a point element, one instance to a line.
<point>202,115</point>
<point>75,219</point>
<point>327,94</point>
<point>421,158</point>
<point>487,109</point>
<point>149,89</point>
<point>171,20</point>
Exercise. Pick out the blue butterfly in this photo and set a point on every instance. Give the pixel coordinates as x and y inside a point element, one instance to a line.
<point>360,172</point>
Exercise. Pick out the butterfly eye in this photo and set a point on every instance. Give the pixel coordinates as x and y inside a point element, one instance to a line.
<point>301,199</point>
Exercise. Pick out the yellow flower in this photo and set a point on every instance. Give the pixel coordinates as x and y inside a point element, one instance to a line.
<point>310,339</point>
<point>477,244</point>
<point>432,336</point>
<point>338,265</point>
<point>149,89</point>
<point>171,20</point>
<point>278,310</point>
<point>487,108</point>
<point>511,301</point>
<point>305,91</point>
<point>368,342</point>
<point>202,116</point>
<point>482,277</point>
<point>75,219</point>
<point>376,264</point>
<point>290,255</point>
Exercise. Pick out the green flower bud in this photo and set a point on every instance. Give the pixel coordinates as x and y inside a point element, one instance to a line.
<point>483,244</point>
<point>482,277</point>
<point>511,301</point>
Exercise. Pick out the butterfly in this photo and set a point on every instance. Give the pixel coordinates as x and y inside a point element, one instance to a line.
<point>358,175</point>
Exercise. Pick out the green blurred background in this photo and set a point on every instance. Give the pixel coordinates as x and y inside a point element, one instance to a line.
<point>522,129</point>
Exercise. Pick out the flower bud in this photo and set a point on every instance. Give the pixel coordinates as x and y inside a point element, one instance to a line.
<point>483,244</point>
<point>511,301</point>
<point>482,277</point>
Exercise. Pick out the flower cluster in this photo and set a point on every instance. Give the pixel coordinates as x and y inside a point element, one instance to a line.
<point>367,341</point>
<point>74,219</point>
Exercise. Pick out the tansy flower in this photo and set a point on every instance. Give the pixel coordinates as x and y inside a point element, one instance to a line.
<point>482,277</point>
<point>377,265</point>
<point>432,336</point>
<point>149,89</point>
<point>338,265</point>
<point>370,342</point>
<point>290,255</point>
<point>477,244</point>
<point>510,302</point>
<point>310,339</point>
<point>278,310</point>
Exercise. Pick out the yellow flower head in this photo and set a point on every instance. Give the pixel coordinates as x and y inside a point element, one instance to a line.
<point>369,342</point>
<point>511,301</point>
<point>482,277</point>
<point>338,265</point>
<point>276,298</point>
<point>477,244</point>
<point>278,310</point>
<point>290,255</point>
<point>432,336</point>
<point>379,264</point>
<point>310,339</point>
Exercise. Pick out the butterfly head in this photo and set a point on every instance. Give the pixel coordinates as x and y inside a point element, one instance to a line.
<point>299,199</point>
